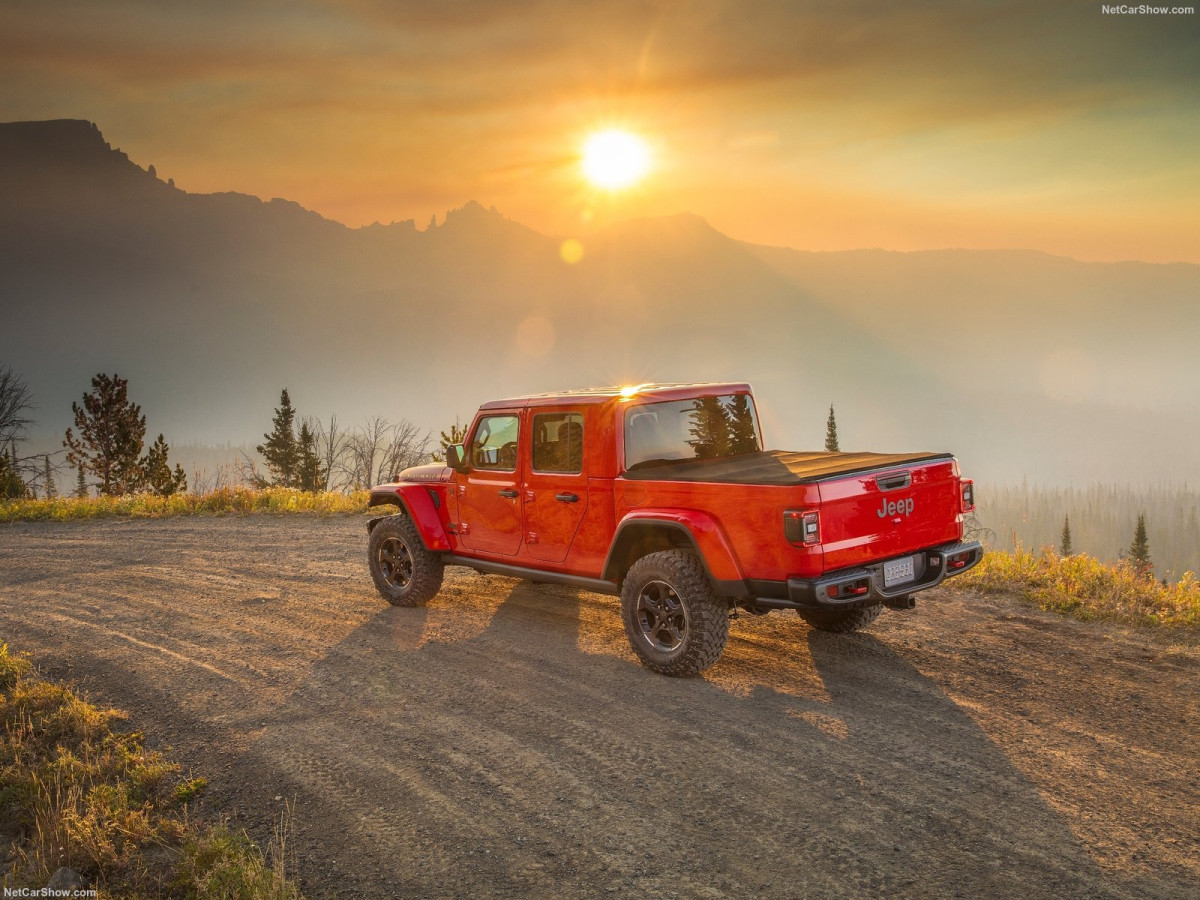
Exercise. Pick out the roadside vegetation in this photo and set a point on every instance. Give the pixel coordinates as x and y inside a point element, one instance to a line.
<point>1100,520</point>
<point>1086,588</point>
<point>76,793</point>
<point>223,501</point>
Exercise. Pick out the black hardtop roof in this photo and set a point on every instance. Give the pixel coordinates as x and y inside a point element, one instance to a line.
<point>680,391</point>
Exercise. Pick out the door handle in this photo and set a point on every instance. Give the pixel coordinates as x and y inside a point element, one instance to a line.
<point>511,494</point>
<point>567,498</point>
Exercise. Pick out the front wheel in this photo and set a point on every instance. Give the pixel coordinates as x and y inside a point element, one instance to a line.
<point>674,622</point>
<point>841,621</point>
<point>405,572</point>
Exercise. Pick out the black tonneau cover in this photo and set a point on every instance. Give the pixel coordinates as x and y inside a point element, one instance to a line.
<point>775,467</point>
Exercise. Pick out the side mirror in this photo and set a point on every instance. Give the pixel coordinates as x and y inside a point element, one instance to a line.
<point>456,457</point>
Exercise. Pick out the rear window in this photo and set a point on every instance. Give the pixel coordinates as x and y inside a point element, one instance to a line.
<point>704,428</point>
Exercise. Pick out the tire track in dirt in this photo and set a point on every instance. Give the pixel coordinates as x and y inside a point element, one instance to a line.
<point>145,645</point>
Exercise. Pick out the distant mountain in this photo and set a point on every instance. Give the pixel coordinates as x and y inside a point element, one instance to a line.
<point>1022,363</point>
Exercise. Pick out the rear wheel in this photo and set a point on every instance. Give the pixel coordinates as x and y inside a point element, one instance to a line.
<point>841,621</point>
<point>674,622</point>
<point>404,571</point>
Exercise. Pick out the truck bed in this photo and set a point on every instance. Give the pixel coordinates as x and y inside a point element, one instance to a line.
<point>783,467</point>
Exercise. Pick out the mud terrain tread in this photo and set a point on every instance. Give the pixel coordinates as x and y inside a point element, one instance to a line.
<point>708,616</point>
<point>428,569</point>
<point>841,621</point>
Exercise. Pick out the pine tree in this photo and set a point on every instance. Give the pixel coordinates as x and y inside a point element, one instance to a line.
<point>1064,542</point>
<point>455,434</point>
<point>80,484</point>
<point>49,489</point>
<point>709,428</point>
<point>12,485</point>
<point>1139,550</point>
<point>831,438</point>
<point>158,476</point>
<point>111,429</point>
<point>311,472</point>
<point>743,431</point>
<point>281,450</point>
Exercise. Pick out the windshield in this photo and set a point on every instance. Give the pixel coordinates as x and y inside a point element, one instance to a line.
<point>705,428</point>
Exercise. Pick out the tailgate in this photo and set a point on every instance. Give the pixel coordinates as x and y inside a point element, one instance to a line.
<point>888,512</point>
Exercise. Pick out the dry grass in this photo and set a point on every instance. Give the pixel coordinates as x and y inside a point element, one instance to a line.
<point>74,792</point>
<point>1086,588</point>
<point>226,501</point>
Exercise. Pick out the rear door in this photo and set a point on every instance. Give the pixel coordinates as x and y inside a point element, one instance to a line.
<point>489,495</point>
<point>556,483</point>
<point>883,513</point>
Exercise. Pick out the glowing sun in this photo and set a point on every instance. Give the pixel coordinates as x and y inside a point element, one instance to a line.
<point>615,159</point>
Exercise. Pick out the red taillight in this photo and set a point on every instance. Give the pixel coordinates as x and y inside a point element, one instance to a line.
<point>968,494</point>
<point>802,526</point>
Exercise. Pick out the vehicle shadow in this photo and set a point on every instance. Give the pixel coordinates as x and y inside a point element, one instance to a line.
<point>523,757</point>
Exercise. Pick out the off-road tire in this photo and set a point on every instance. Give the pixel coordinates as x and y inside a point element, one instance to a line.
<point>667,597</point>
<point>405,572</point>
<point>841,621</point>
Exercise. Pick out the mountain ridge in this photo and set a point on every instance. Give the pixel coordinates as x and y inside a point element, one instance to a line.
<point>80,139</point>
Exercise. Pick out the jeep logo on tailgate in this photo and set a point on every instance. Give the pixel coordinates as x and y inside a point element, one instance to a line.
<point>895,508</point>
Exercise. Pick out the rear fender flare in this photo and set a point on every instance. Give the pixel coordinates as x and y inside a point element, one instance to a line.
<point>690,529</point>
<point>415,502</point>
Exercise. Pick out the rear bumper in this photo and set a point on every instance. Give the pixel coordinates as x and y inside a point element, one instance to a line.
<point>931,568</point>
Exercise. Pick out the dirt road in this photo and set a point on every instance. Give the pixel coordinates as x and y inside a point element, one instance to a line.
<point>504,742</point>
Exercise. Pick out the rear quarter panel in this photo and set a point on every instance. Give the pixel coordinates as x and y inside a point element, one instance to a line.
<point>749,518</point>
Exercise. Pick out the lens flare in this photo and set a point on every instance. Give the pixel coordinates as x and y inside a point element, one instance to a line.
<point>571,251</point>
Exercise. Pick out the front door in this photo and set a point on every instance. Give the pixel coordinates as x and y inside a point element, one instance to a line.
<point>489,496</point>
<point>556,484</point>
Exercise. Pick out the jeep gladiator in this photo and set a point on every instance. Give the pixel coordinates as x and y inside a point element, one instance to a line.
<point>664,495</point>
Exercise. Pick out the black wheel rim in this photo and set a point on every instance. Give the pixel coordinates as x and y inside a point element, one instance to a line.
<point>395,562</point>
<point>661,617</point>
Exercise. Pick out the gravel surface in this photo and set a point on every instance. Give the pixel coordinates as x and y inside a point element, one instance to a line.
<point>504,741</point>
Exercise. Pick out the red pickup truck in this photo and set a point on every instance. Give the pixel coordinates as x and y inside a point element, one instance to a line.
<point>664,495</point>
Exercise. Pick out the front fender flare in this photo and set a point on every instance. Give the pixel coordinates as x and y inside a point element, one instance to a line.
<point>417,504</point>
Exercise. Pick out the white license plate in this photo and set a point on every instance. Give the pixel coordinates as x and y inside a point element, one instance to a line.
<point>898,571</point>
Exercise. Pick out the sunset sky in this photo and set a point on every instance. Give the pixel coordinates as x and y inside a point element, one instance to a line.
<point>830,125</point>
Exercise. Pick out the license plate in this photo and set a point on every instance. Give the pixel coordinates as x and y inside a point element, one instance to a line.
<point>898,571</point>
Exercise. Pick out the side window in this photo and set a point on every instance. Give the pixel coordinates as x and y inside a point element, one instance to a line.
<point>558,443</point>
<point>494,444</point>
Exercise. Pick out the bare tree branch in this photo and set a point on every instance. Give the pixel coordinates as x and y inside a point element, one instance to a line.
<point>331,447</point>
<point>15,398</point>
<point>248,471</point>
<point>377,450</point>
